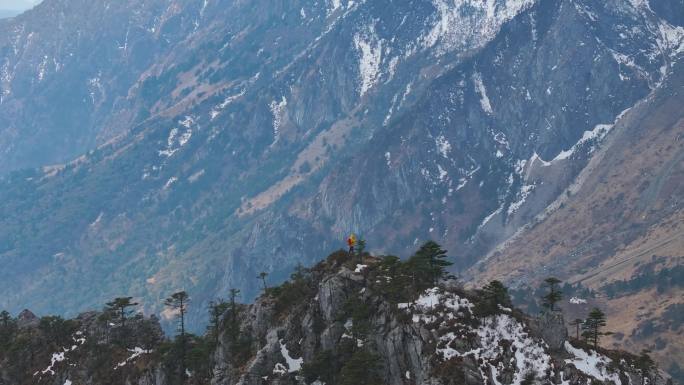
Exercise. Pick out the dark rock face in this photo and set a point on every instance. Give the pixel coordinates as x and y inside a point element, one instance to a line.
<point>251,136</point>
<point>551,327</point>
<point>27,319</point>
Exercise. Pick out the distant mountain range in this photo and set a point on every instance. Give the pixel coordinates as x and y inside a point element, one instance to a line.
<point>148,147</point>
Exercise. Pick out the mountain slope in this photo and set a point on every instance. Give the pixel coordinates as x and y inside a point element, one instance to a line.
<point>619,228</point>
<point>251,131</point>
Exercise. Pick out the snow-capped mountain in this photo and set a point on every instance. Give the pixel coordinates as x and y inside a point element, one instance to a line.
<point>196,143</point>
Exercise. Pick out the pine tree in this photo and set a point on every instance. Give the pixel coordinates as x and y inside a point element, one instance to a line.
<point>577,323</point>
<point>497,293</point>
<point>554,295</point>
<point>592,326</point>
<point>394,281</point>
<point>360,249</point>
<point>120,308</point>
<point>646,366</point>
<point>493,295</point>
<point>7,326</point>
<point>233,327</point>
<point>178,302</point>
<point>216,310</point>
<point>429,265</point>
<point>57,330</point>
<point>299,274</point>
<point>361,369</point>
<point>262,276</point>
<point>5,319</point>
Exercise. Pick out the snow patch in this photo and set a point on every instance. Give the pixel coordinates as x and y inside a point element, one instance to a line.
<point>484,99</point>
<point>530,356</point>
<point>442,173</point>
<point>293,364</point>
<point>370,51</point>
<point>469,23</point>
<point>216,111</point>
<point>135,353</point>
<point>176,139</point>
<point>170,182</point>
<point>443,146</point>
<point>598,133</point>
<point>592,364</point>
<point>489,218</point>
<point>56,357</point>
<point>61,356</point>
<point>524,193</point>
<point>577,301</point>
<point>278,111</point>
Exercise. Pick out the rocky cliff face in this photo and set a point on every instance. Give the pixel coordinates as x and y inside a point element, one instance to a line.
<point>337,325</point>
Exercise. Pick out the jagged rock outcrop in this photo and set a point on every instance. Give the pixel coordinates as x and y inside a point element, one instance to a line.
<point>26,319</point>
<point>339,322</point>
<point>552,329</point>
<point>434,339</point>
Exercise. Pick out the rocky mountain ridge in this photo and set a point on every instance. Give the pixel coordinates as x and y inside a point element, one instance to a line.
<point>217,139</point>
<point>331,324</point>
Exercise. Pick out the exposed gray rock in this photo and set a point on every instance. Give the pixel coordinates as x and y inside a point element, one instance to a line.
<point>551,327</point>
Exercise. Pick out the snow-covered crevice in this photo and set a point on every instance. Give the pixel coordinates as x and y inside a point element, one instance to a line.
<point>278,109</point>
<point>469,23</point>
<point>135,353</point>
<point>292,364</point>
<point>482,91</point>
<point>62,355</point>
<point>369,47</point>
<point>525,191</point>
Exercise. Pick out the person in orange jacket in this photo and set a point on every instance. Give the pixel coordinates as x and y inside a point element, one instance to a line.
<point>351,242</point>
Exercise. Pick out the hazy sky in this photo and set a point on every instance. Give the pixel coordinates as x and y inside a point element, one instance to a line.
<point>19,5</point>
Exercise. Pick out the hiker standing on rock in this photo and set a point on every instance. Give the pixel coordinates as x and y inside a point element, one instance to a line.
<point>351,242</point>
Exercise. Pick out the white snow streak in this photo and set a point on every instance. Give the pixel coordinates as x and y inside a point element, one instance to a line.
<point>484,99</point>
<point>278,111</point>
<point>370,51</point>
